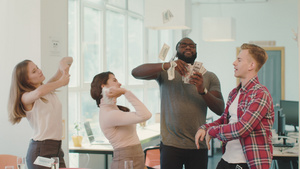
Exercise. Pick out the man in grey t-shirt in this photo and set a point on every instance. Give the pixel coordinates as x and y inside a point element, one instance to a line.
<point>183,107</point>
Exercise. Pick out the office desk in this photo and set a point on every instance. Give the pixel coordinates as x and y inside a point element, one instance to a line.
<point>145,134</point>
<point>94,149</point>
<point>286,157</point>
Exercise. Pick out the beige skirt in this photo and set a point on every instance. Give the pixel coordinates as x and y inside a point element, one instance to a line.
<point>134,153</point>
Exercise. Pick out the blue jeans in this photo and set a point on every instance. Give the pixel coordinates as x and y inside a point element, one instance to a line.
<point>175,158</point>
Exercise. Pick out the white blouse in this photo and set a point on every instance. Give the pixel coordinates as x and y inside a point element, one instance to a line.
<point>45,118</point>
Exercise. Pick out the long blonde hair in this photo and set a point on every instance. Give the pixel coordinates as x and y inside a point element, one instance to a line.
<point>19,85</point>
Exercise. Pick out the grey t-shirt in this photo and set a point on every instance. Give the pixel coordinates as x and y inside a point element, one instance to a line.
<point>183,110</point>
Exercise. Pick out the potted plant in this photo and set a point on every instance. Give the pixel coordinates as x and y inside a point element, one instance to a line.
<point>77,139</point>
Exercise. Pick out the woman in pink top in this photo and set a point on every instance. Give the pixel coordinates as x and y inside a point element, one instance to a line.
<point>37,102</point>
<point>118,123</point>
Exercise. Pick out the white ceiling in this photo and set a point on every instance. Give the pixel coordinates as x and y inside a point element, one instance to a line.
<point>228,1</point>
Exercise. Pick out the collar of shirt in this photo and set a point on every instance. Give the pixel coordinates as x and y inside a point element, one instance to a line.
<point>249,85</point>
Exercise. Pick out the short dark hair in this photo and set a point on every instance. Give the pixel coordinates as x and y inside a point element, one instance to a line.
<point>178,43</point>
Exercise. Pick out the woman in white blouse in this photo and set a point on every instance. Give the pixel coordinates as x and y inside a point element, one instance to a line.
<point>37,102</point>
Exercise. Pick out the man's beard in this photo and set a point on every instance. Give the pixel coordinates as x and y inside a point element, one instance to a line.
<point>187,59</point>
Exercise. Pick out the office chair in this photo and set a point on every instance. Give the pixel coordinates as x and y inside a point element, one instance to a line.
<point>152,156</point>
<point>8,160</point>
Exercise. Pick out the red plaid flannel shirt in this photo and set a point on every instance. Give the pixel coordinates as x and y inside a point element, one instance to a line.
<point>253,129</point>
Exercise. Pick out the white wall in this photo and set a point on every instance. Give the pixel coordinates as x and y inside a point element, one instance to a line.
<point>20,39</point>
<point>27,28</point>
<point>272,20</point>
<point>54,28</point>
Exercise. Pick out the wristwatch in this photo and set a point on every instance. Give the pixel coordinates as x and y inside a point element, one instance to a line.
<point>204,92</point>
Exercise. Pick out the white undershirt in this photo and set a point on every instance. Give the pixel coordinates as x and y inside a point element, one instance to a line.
<point>234,151</point>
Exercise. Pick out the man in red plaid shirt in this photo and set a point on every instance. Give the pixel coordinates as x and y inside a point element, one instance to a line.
<point>245,126</point>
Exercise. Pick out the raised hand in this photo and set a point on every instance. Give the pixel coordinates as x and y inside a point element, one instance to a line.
<point>65,78</point>
<point>65,64</point>
<point>115,92</point>
<point>197,79</point>
<point>181,67</point>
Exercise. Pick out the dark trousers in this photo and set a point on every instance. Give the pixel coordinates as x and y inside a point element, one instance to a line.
<point>225,165</point>
<point>46,148</point>
<point>175,158</point>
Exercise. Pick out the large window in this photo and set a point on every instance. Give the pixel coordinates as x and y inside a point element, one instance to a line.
<point>116,44</point>
<point>108,35</point>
